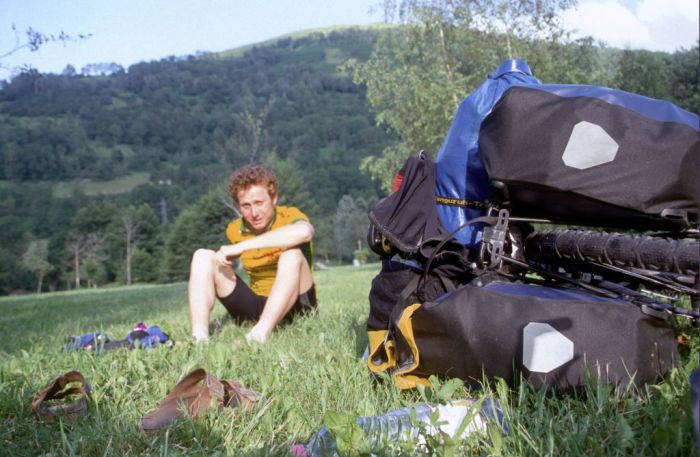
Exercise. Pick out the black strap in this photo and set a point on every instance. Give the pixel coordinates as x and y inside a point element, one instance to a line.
<point>489,220</point>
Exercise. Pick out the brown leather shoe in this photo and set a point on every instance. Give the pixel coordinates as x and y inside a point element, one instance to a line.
<point>46,404</point>
<point>237,395</point>
<point>194,393</point>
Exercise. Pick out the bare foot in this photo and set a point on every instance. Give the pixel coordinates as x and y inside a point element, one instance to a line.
<point>200,340</point>
<point>258,334</point>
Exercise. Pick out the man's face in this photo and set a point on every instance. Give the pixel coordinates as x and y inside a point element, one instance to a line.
<point>257,207</point>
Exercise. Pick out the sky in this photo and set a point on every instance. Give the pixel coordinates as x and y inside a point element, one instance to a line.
<point>132,31</point>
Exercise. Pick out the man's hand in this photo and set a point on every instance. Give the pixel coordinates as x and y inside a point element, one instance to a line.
<point>228,253</point>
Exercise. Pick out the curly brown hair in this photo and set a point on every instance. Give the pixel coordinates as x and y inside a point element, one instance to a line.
<point>251,175</point>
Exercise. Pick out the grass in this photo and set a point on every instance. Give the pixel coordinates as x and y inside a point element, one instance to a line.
<point>306,370</point>
<point>91,187</point>
<point>239,51</point>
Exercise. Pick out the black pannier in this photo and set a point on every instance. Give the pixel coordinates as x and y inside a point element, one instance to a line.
<point>593,156</point>
<point>555,337</point>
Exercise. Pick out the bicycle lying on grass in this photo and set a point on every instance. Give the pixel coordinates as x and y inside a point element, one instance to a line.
<point>554,239</point>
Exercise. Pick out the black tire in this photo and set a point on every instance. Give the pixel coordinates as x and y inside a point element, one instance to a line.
<point>617,249</point>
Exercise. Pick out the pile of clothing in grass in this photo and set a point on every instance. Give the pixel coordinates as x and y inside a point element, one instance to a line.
<point>141,336</point>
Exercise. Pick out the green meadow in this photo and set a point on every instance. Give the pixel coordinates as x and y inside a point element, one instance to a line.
<point>65,189</point>
<point>310,373</point>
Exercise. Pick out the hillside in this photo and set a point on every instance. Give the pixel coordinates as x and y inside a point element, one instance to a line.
<point>169,116</point>
<point>182,124</point>
<point>241,50</point>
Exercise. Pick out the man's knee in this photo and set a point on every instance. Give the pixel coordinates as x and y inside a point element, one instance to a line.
<point>203,265</point>
<point>291,257</point>
<point>293,263</point>
<point>202,257</point>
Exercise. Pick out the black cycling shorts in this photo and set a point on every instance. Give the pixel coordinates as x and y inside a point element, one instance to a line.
<point>245,305</point>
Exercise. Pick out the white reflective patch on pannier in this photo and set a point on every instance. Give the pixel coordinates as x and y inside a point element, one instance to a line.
<point>589,145</point>
<point>544,348</point>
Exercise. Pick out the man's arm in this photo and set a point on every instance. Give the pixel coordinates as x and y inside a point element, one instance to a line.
<point>285,237</point>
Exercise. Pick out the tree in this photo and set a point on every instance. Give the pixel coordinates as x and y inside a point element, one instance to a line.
<point>644,72</point>
<point>35,259</point>
<point>440,50</point>
<point>84,246</point>
<point>101,69</point>
<point>255,134</point>
<point>350,226</point>
<point>293,189</point>
<point>139,228</point>
<point>685,81</point>
<point>89,240</point>
<point>130,226</point>
<point>94,269</point>
<point>200,225</point>
<point>69,71</point>
<point>249,138</point>
<point>34,39</point>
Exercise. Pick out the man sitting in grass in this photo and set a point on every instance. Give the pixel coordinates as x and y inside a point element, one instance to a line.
<point>274,244</point>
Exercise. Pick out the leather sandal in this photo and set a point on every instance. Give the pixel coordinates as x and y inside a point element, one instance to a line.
<point>46,404</point>
<point>236,395</point>
<point>194,394</point>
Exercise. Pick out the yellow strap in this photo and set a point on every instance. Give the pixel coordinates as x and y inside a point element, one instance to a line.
<point>407,331</point>
<point>402,378</point>
<point>409,381</point>
<point>378,342</point>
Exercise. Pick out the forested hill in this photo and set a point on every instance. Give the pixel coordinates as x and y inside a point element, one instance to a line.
<point>168,131</point>
<point>178,118</point>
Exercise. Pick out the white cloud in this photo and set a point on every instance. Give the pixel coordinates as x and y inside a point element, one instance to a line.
<point>659,25</point>
<point>671,23</point>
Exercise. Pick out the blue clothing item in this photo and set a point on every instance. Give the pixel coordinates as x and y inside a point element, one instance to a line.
<point>88,341</point>
<point>141,337</point>
<point>147,339</point>
<point>460,175</point>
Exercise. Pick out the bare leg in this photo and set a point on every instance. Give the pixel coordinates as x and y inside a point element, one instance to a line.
<point>207,280</point>
<point>293,278</point>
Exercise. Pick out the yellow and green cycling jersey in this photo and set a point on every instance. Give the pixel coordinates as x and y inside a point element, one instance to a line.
<point>261,264</point>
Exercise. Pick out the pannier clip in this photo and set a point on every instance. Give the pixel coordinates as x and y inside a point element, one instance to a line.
<point>495,237</point>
